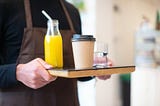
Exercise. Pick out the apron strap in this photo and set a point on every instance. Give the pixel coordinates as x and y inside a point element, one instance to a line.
<point>28,13</point>
<point>68,16</point>
<point>29,17</point>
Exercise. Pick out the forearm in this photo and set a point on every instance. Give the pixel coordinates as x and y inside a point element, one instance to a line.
<point>7,75</point>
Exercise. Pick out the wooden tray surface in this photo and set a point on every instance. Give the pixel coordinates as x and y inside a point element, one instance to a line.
<point>75,73</point>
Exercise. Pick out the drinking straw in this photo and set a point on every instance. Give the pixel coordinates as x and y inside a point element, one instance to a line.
<point>46,15</point>
<point>49,18</point>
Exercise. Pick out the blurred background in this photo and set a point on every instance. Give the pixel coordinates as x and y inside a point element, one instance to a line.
<point>129,27</point>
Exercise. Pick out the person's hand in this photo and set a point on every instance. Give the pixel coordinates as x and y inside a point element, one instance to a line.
<point>34,74</point>
<point>105,77</point>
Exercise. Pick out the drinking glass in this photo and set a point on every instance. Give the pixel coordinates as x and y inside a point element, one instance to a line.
<point>100,54</point>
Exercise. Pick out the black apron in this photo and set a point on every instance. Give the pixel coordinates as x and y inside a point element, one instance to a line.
<point>62,92</point>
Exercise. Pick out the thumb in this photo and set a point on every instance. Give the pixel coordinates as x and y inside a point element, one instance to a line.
<point>43,72</point>
<point>44,64</point>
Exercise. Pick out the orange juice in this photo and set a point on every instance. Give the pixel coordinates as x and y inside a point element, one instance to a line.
<point>53,50</point>
<point>53,45</point>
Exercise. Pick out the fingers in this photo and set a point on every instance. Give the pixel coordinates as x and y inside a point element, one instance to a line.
<point>44,64</point>
<point>34,74</point>
<point>53,79</point>
<point>104,77</point>
<point>43,72</point>
<point>109,62</point>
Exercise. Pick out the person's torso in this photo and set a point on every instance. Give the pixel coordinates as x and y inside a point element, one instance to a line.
<point>15,22</point>
<point>49,95</point>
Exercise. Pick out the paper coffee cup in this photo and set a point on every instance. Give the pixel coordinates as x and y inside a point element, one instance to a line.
<point>83,50</point>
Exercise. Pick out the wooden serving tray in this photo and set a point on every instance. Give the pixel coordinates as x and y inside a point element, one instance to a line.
<point>75,73</point>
